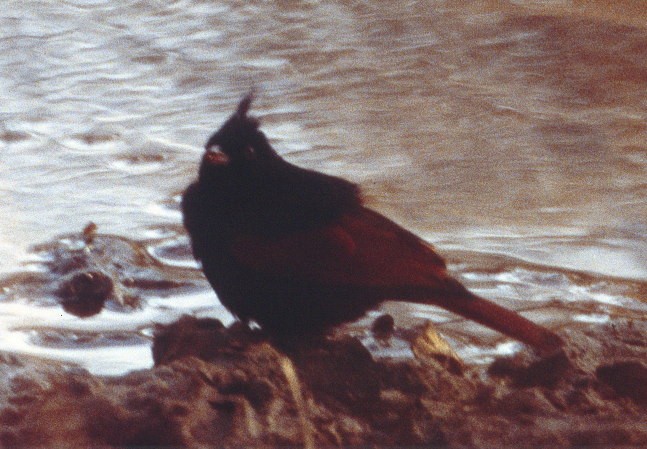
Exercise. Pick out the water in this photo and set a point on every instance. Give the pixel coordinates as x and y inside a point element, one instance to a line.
<point>510,134</point>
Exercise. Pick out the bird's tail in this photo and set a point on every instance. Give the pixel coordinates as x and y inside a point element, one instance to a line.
<point>508,322</point>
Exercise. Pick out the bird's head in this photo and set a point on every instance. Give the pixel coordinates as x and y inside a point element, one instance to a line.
<point>236,138</point>
<point>238,143</point>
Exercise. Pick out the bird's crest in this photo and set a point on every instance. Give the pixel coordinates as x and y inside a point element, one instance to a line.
<point>245,104</point>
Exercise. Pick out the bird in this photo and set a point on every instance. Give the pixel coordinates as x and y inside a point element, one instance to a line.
<point>299,253</point>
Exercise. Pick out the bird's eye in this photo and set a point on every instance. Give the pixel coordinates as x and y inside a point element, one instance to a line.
<point>249,153</point>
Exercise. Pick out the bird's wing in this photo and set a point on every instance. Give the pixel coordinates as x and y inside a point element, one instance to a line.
<point>360,248</point>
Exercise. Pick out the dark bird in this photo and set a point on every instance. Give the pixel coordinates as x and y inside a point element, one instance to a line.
<point>297,252</point>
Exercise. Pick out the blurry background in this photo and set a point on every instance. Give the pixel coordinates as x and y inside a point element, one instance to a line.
<point>511,134</point>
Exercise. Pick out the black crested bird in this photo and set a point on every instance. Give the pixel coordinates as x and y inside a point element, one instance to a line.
<point>296,250</point>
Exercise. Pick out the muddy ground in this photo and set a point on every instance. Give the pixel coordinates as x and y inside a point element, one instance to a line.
<point>217,387</point>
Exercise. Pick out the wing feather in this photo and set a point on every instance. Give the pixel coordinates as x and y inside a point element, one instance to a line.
<point>360,248</point>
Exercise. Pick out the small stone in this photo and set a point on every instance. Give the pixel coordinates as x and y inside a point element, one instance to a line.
<point>429,345</point>
<point>84,294</point>
<point>383,327</point>
<point>627,378</point>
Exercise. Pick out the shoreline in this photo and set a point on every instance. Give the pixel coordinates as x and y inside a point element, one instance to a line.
<point>229,387</point>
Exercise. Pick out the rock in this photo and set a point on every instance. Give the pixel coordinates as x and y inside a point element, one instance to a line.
<point>85,293</point>
<point>626,378</point>
<point>383,327</point>
<point>431,347</point>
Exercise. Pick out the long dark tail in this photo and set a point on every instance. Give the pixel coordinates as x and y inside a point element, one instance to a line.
<point>508,322</point>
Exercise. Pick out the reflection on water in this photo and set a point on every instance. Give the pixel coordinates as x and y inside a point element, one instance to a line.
<point>511,134</point>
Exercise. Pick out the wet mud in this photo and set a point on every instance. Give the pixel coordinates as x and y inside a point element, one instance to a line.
<point>214,386</point>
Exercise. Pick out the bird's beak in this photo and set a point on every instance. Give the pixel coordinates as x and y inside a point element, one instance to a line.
<point>216,158</point>
<point>213,154</point>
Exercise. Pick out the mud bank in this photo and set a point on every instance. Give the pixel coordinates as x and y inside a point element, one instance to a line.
<point>219,387</point>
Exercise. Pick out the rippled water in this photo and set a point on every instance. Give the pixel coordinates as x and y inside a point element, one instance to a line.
<point>513,135</point>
